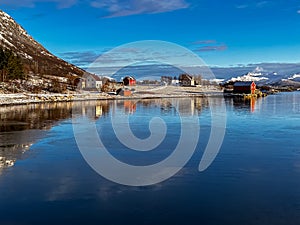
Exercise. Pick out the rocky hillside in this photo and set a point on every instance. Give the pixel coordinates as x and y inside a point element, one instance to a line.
<point>36,59</point>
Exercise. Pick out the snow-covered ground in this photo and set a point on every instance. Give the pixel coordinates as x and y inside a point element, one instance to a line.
<point>137,92</point>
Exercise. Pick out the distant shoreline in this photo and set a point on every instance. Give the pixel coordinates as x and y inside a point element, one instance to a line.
<point>53,98</point>
<point>140,92</point>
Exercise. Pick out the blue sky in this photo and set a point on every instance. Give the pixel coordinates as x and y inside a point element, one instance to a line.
<point>222,33</point>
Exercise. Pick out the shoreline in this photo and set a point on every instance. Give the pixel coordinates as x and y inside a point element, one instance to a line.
<point>164,92</point>
<point>53,98</point>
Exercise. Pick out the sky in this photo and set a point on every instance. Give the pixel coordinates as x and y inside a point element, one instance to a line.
<point>223,33</point>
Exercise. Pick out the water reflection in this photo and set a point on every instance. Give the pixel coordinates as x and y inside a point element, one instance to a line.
<point>239,104</point>
<point>44,116</point>
<point>254,179</point>
<point>129,107</point>
<point>32,116</point>
<point>22,125</point>
<point>94,110</point>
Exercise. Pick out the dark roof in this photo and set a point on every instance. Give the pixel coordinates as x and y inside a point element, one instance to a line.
<point>129,77</point>
<point>243,84</point>
<point>186,76</point>
<point>95,77</point>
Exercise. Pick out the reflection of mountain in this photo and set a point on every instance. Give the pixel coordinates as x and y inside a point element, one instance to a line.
<point>20,127</point>
<point>10,153</point>
<point>33,116</point>
<point>14,144</point>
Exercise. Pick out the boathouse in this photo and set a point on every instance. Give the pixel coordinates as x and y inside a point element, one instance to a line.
<point>248,87</point>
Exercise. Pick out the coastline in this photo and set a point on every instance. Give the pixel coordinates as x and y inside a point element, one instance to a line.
<point>139,92</point>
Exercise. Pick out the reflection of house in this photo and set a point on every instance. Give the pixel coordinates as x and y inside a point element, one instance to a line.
<point>93,112</point>
<point>99,111</point>
<point>248,87</point>
<point>186,80</point>
<point>129,106</point>
<point>186,107</point>
<point>91,81</point>
<point>129,81</point>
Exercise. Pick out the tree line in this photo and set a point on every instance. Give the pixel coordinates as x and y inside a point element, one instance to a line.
<point>11,67</point>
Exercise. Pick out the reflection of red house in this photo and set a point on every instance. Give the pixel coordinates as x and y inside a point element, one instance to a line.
<point>252,104</point>
<point>129,81</point>
<point>244,87</point>
<point>129,106</point>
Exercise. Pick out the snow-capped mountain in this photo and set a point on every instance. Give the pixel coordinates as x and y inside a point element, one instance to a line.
<point>35,57</point>
<point>265,77</point>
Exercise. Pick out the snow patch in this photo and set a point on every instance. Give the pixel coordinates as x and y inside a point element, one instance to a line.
<point>295,76</point>
<point>5,41</point>
<point>218,81</point>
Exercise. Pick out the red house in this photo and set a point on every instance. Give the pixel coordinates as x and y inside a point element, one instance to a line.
<point>248,87</point>
<point>129,81</point>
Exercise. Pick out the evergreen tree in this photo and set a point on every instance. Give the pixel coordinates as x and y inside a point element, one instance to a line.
<point>15,68</point>
<point>11,66</point>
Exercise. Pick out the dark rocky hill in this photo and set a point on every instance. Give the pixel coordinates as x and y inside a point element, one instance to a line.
<point>36,59</point>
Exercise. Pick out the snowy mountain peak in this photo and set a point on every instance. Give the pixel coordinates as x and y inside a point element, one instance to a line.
<point>251,76</point>
<point>258,69</point>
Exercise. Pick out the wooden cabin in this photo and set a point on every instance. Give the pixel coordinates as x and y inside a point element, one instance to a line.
<point>186,80</point>
<point>248,87</point>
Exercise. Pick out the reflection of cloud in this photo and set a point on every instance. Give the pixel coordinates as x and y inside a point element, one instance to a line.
<point>31,3</point>
<point>118,8</point>
<point>62,189</point>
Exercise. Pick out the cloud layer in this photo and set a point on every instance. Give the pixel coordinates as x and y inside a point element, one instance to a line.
<point>113,8</point>
<point>208,46</point>
<point>118,8</point>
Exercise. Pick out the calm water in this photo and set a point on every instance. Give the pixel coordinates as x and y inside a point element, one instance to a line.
<point>255,178</point>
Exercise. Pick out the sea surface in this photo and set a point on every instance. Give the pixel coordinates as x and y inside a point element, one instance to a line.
<point>254,178</point>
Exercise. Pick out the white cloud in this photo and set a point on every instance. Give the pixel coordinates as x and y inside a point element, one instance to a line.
<point>118,8</point>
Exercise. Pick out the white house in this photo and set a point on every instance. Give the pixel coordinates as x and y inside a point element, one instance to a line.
<point>91,81</point>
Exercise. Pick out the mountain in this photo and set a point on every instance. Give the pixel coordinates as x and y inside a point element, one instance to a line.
<point>35,58</point>
<point>277,75</point>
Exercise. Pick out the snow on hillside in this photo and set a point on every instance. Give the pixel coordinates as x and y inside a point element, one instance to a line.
<point>295,77</point>
<point>257,75</point>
